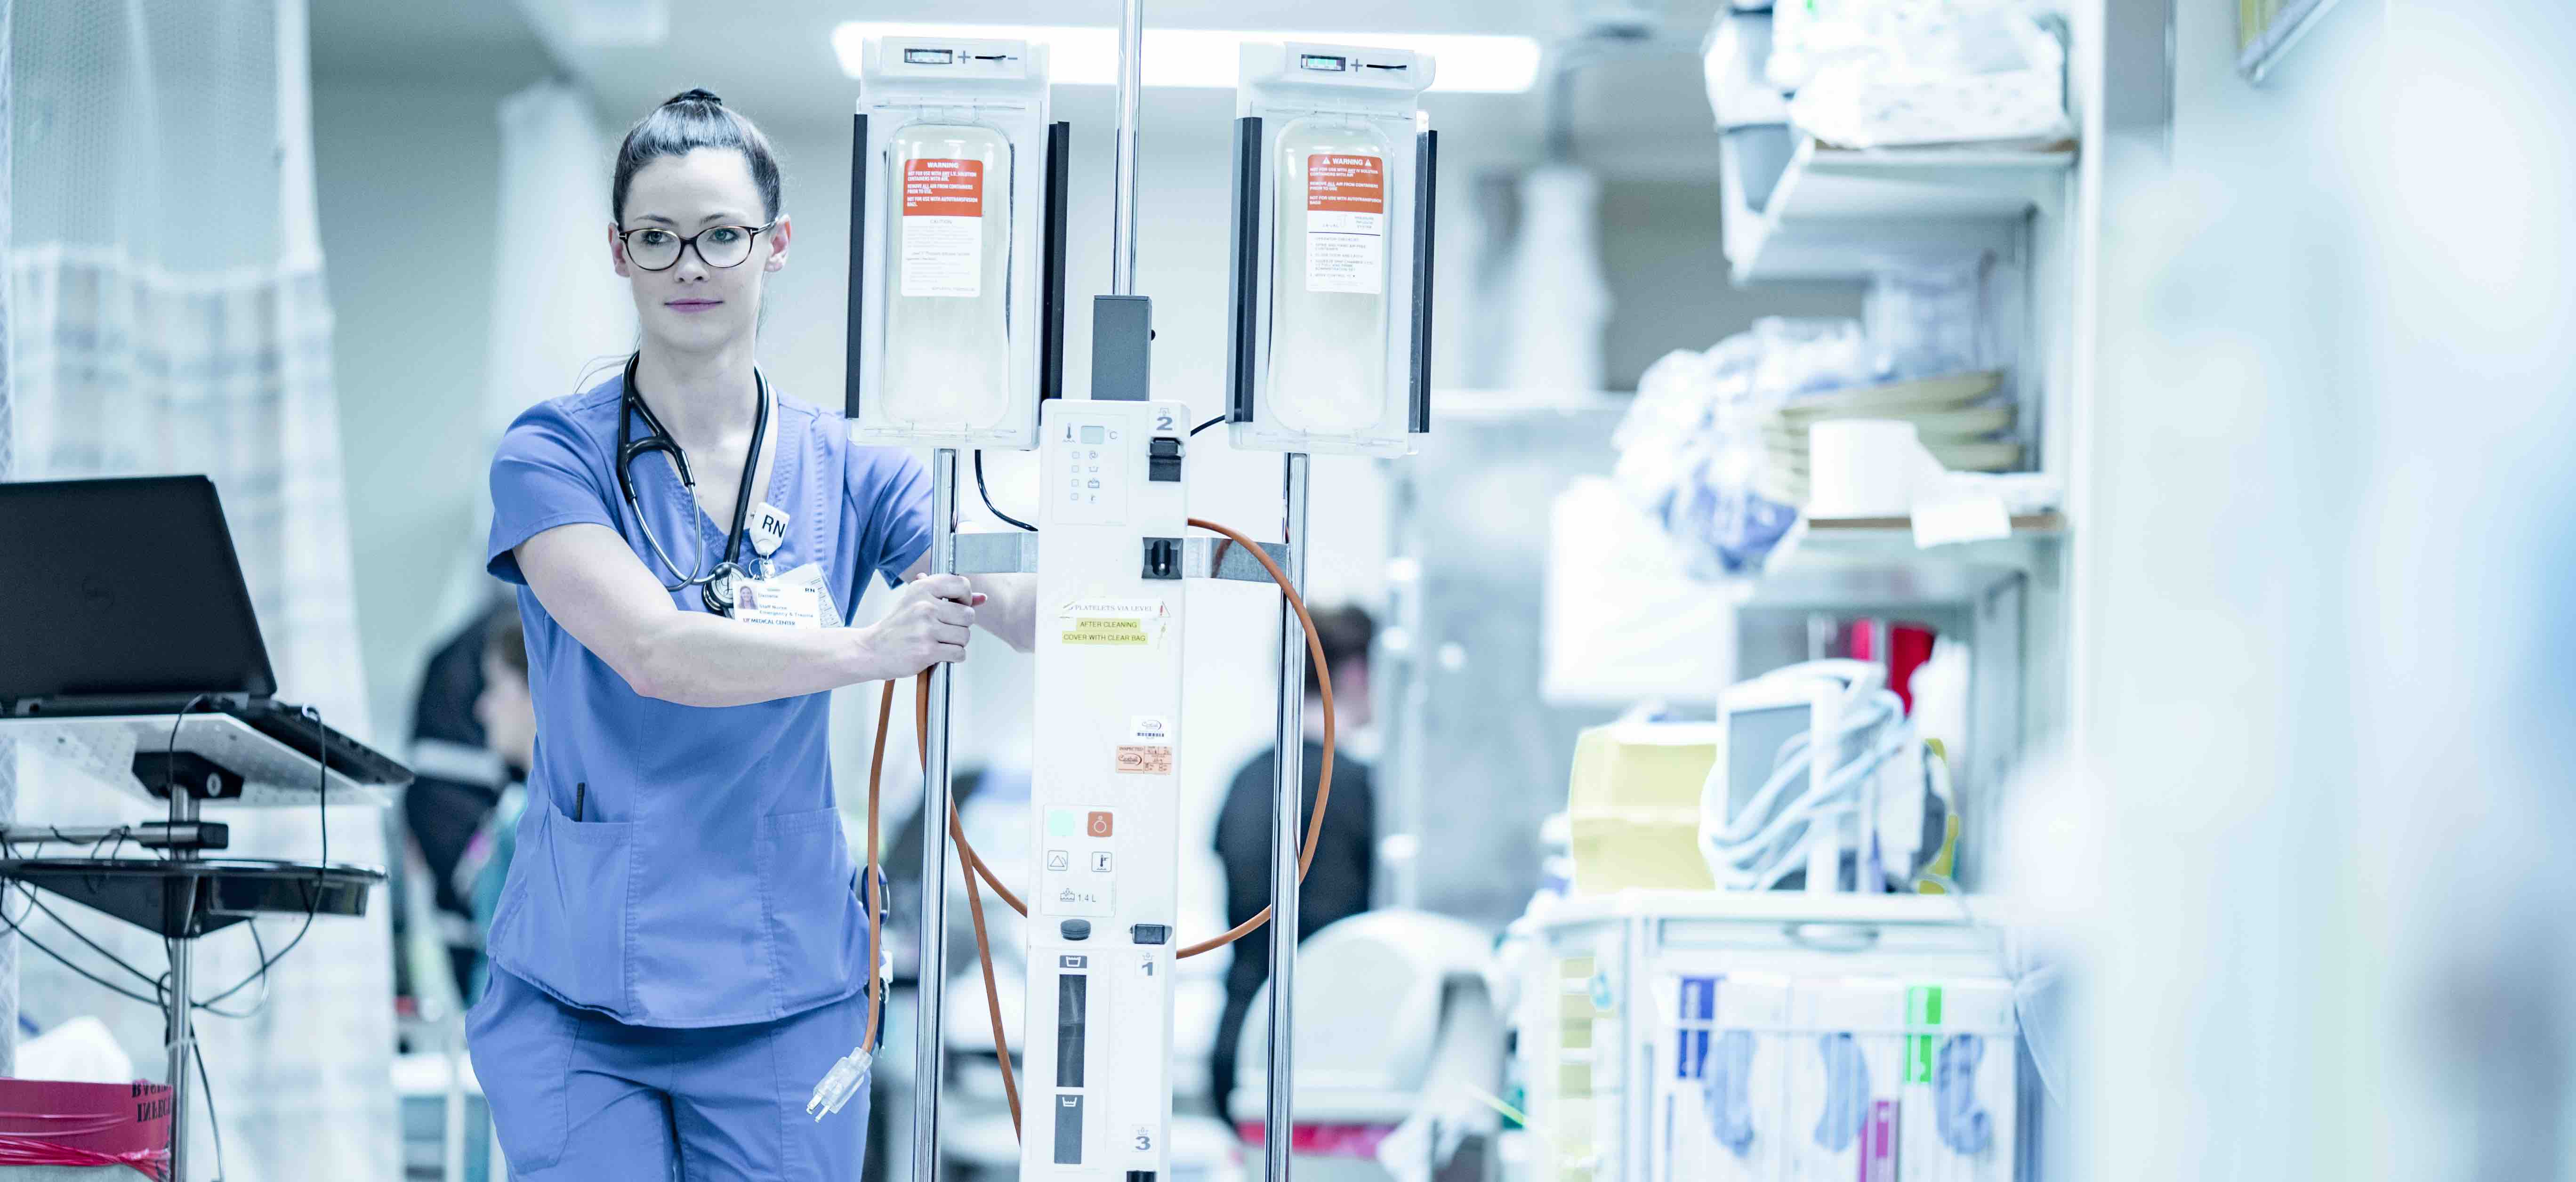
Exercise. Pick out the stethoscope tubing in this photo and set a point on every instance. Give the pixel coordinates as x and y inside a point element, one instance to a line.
<point>658,439</point>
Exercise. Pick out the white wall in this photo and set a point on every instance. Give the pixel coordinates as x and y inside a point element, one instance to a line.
<point>406,169</point>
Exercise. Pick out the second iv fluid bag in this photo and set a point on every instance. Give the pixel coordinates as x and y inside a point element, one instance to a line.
<point>947,321</point>
<point>1328,274</point>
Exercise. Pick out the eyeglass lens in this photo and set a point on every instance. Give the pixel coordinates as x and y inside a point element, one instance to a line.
<point>718,246</point>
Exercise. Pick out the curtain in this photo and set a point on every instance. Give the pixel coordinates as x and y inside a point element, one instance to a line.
<point>560,316</point>
<point>1557,301</point>
<point>168,315</point>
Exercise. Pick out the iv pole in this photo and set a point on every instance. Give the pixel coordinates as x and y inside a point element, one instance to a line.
<point>1288,779</point>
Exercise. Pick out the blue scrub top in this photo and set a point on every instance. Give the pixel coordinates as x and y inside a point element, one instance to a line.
<point>707,882</point>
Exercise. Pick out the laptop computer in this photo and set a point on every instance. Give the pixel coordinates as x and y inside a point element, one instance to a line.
<point>125,597</point>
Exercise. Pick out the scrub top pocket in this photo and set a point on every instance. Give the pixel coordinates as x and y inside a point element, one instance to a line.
<point>807,878</point>
<point>568,932</point>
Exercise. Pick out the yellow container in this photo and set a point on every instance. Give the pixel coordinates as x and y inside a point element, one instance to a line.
<point>1634,806</point>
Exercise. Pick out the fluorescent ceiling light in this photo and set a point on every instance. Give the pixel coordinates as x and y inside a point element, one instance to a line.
<point>1087,55</point>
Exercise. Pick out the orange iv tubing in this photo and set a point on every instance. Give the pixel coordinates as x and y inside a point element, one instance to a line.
<point>972,865</point>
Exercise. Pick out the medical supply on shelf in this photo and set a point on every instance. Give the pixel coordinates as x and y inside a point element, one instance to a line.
<point>1882,73</point>
<point>1738,48</point>
<point>1808,34</point>
<point>1865,468</point>
<point>1719,1104</point>
<point>1901,1078</point>
<point>1693,453</point>
<point>1634,805</point>
<point>1926,316</point>
<point>1817,763</point>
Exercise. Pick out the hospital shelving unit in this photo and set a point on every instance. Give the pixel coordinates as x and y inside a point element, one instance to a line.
<point>1605,961</point>
<point>1842,214</point>
<point>1836,210</point>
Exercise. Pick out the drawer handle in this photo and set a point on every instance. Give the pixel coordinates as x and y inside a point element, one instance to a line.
<point>1843,938</point>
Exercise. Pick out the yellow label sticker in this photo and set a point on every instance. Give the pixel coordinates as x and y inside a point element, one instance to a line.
<point>1119,623</point>
<point>1100,631</point>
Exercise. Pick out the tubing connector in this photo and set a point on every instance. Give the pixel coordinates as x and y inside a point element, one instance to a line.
<point>842,1082</point>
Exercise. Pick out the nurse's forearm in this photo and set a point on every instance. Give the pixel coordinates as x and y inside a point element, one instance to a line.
<point>703,660</point>
<point>594,586</point>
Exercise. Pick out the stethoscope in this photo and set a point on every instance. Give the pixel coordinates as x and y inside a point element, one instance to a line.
<point>715,587</point>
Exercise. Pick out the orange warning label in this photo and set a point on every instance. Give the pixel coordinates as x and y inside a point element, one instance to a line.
<point>1145,761</point>
<point>1345,184</point>
<point>943,188</point>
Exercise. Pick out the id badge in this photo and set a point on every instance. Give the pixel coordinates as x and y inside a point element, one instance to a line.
<point>801,598</point>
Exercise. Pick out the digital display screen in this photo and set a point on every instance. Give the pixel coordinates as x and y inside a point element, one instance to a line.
<point>930,57</point>
<point>1093,434</point>
<point>1753,742</point>
<point>1318,61</point>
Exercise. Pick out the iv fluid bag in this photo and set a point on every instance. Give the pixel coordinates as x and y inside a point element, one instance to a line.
<point>1328,277</point>
<point>947,329</point>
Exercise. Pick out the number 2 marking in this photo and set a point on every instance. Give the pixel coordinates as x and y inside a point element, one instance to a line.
<point>1162,420</point>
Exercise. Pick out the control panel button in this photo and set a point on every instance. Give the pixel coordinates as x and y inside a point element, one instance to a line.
<point>1059,860</point>
<point>1100,863</point>
<point>1100,823</point>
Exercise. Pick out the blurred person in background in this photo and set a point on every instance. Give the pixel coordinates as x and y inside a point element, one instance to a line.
<point>1338,884</point>
<point>456,780</point>
<point>509,718</point>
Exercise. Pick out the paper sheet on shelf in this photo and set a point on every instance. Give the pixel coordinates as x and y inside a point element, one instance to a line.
<point>1943,515</point>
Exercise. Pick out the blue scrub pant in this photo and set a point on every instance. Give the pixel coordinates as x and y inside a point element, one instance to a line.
<point>576,1094</point>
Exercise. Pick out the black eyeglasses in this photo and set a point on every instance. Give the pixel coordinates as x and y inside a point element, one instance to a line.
<point>656,249</point>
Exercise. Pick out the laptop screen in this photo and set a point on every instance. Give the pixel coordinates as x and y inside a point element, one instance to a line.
<point>123,587</point>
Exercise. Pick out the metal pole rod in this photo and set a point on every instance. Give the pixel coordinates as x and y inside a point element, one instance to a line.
<point>178,1007</point>
<point>1131,88</point>
<point>935,800</point>
<point>1289,783</point>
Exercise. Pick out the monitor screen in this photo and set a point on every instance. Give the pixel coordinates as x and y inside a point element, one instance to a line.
<point>1753,742</point>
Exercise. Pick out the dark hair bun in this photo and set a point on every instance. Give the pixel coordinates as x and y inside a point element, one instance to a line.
<point>694,95</point>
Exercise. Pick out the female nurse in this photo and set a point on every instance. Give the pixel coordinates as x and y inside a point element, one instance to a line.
<point>680,952</point>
